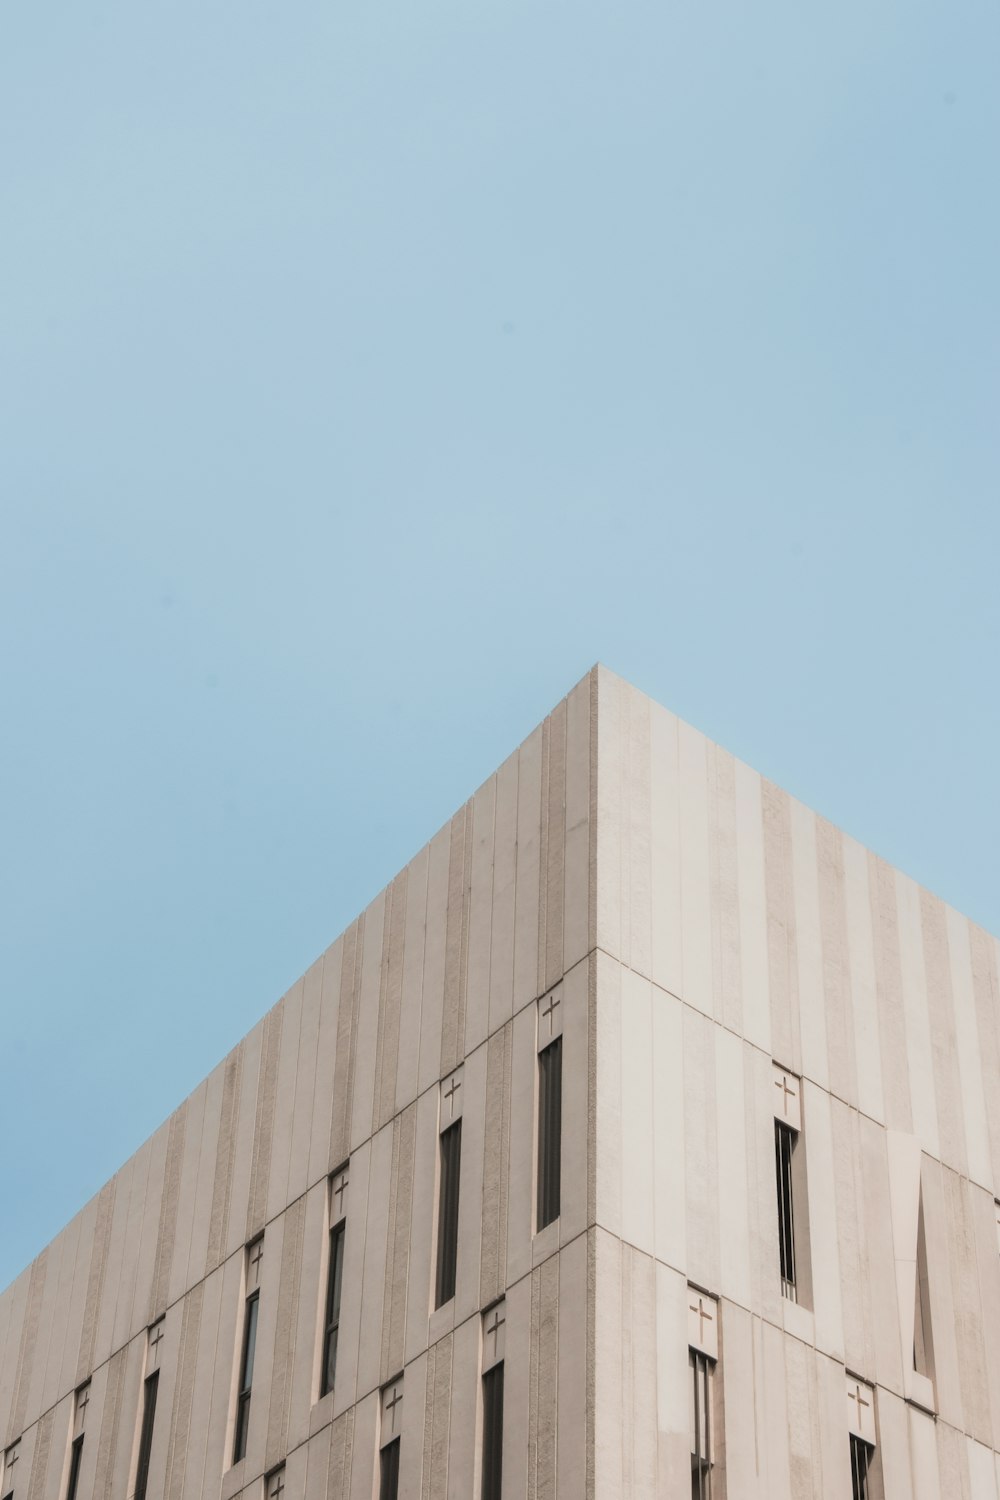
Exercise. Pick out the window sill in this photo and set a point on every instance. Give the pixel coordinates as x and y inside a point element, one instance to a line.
<point>545,1242</point>
<point>920,1392</point>
<point>322,1413</point>
<point>799,1321</point>
<point>232,1479</point>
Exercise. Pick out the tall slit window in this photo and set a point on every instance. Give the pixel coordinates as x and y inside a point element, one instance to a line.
<point>334,1279</point>
<point>548,1038</point>
<point>11,1459</point>
<point>701,1425</point>
<point>251,1312</point>
<point>861,1457</point>
<point>389,1439</point>
<point>450,1170</point>
<point>791,1187</point>
<point>494,1322</point>
<point>703,1353</point>
<point>549,1131</point>
<point>866,1482</point>
<point>447,1256</point>
<point>784,1143</point>
<point>149,1389</point>
<point>80,1403</point>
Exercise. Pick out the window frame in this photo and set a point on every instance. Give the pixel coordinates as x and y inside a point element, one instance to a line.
<point>334,1293</point>
<point>251,1314</point>
<point>150,1389</point>
<point>450,1174</point>
<point>549,1164</point>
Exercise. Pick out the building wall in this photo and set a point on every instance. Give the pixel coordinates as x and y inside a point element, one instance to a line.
<point>443,969</point>
<point>697,925</point>
<point>735,929</point>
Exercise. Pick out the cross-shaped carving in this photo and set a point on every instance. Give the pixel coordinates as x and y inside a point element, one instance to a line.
<point>155,1339</point>
<point>450,1093</point>
<point>495,1327</point>
<point>857,1396</point>
<point>83,1402</point>
<point>277,1485</point>
<point>550,1011</point>
<point>390,1406</point>
<point>786,1092</point>
<point>703,1316</point>
<point>339,1191</point>
<point>13,1455</point>
<point>256,1258</point>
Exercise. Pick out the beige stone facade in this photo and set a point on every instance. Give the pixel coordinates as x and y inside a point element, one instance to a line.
<point>715,958</point>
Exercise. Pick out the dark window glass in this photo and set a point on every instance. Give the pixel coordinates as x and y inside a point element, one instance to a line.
<point>246,1377</point>
<point>861,1457</point>
<point>389,1486</point>
<point>701,1436</point>
<point>75,1457</point>
<point>334,1280</point>
<point>447,1256</point>
<point>549,1131</point>
<point>146,1435</point>
<point>784,1144</point>
<point>493,1432</point>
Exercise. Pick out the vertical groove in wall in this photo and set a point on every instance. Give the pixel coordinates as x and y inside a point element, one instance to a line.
<point>496,1165</point>
<point>338,1485</point>
<point>590,1437</point>
<point>347,1019</point>
<point>592,827</point>
<point>26,1349</point>
<point>543,853</point>
<point>889,994</point>
<point>95,1279</point>
<point>457,940</point>
<point>180,1416</point>
<point>724,884</point>
<point>944,1039</point>
<point>264,1121</point>
<point>398,1251</point>
<point>533,1385</point>
<point>627,1371</point>
<point>437,1419</point>
<point>286,1317</point>
<point>166,1233</point>
<point>836,960</point>
<point>554,860</point>
<point>390,999</point>
<point>548,1378</point>
<point>986,993</point>
<point>40,1458</point>
<point>222,1185</point>
<point>782,951</point>
<point>107,1444</point>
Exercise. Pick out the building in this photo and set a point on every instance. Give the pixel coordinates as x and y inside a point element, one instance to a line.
<point>642,1138</point>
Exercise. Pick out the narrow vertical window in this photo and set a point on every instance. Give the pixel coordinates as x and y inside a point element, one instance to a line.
<point>784,1141</point>
<point>701,1425</point>
<point>75,1460</point>
<point>494,1324</point>
<point>389,1440</point>
<point>80,1403</point>
<point>389,1479</point>
<point>549,1131</point>
<point>703,1352</point>
<point>11,1459</point>
<point>923,1342</point>
<point>861,1455</point>
<point>791,1187</point>
<point>447,1246</point>
<point>251,1310</point>
<point>866,1481</point>
<point>149,1389</point>
<point>493,1432</point>
<point>335,1277</point>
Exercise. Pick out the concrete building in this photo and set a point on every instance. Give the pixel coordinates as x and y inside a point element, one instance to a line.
<point>642,1138</point>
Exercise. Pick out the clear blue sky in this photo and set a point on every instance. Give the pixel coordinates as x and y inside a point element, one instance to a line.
<point>367,372</point>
